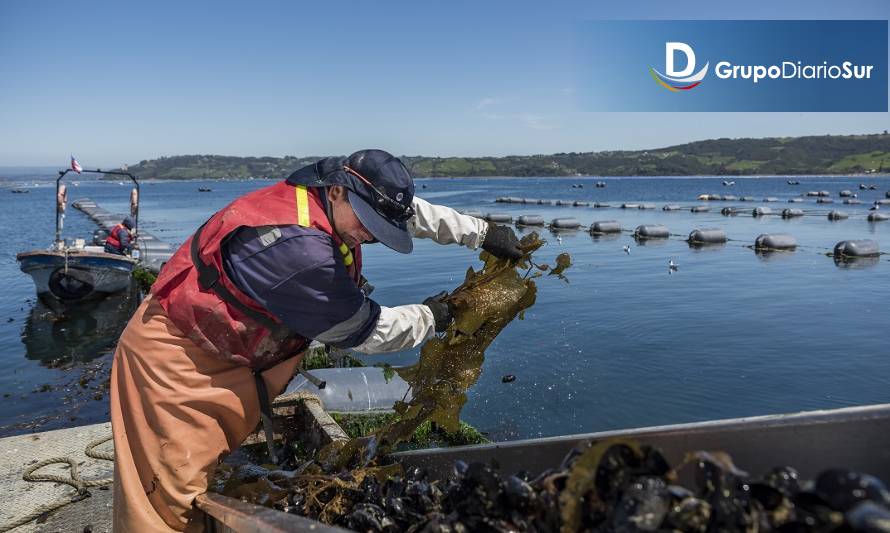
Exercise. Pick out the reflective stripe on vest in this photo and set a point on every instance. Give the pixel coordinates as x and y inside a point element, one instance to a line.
<point>347,255</point>
<point>302,205</point>
<point>303,220</point>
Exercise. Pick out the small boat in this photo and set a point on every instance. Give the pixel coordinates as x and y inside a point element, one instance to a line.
<point>727,183</point>
<point>205,189</point>
<point>69,272</point>
<point>792,182</point>
<point>73,274</point>
<point>20,191</point>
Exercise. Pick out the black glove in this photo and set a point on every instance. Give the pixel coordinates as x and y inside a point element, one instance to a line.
<point>500,241</point>
<point>441,311</point>
<point>365,286</point>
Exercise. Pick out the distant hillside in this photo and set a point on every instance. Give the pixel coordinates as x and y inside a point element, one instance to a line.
<point>180,167</point>
<point>827,154</point>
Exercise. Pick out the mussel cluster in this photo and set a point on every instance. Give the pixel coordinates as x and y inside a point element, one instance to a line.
<point>601,486</point>
<point>476,499</point>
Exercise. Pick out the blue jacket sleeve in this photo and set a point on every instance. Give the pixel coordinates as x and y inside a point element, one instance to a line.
<point>298,275</point>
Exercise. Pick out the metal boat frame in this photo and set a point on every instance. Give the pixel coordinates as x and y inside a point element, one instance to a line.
<point>59,211</point>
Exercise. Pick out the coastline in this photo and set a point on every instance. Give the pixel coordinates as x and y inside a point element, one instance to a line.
<point>23,181</point>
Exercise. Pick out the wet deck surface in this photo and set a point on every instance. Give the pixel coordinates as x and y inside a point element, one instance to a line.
<point>21,497</point>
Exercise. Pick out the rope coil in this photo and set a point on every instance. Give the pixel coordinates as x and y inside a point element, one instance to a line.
<point>73,479</point>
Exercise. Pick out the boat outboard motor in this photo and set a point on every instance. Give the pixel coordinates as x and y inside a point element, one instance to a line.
<point>99,237</point>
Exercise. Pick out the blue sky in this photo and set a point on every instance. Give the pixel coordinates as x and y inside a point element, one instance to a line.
<point>117,82</point>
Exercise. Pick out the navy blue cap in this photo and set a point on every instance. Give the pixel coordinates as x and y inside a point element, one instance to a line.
<point>385,211</point>
<point>128,222</point>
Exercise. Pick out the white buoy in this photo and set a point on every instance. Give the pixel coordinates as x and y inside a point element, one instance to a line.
<point>707,236</point>
<point>530,220</point>
<point>762,211</point>
<point>651,231</point>
<point>605,226</point>
<point>775,241</point>
<point>857,248</point>
<point>837,215</point>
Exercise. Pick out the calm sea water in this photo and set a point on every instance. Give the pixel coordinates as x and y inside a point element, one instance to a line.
<point>624,344</point>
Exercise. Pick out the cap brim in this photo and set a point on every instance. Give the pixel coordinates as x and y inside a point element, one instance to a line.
<point>394,236</point>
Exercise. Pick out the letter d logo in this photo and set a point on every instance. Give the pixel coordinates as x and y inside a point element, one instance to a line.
<point>669,50</point>
<point>674,80</point>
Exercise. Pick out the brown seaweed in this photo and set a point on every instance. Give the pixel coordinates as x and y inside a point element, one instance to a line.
<point>483,305</point>
<point>450,363</point>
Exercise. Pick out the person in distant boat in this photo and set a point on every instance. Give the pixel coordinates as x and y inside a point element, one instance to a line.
<point>232,313</point>
<point>118,240</point>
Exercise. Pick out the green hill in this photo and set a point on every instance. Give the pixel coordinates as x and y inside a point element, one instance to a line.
<point>826,154</point>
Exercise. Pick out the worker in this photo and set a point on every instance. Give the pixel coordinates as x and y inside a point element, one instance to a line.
<point>118,240</point>
<point>233,310</point>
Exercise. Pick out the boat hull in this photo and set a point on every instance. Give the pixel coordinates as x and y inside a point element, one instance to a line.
<point>76,275</point>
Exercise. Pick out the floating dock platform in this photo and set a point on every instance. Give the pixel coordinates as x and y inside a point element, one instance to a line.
<point>153,252</point>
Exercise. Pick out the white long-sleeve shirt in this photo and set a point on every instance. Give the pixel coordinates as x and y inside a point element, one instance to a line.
<point>408,326</point>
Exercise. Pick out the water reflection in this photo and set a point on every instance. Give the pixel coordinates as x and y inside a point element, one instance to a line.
<point>524,230</point>
<point>563,233</point>
<point>650,241</point>
<point>773,255</point>
<point>81,333</point>
<point>856,262</point>
<point>706,246</point>
<point>604,237</point>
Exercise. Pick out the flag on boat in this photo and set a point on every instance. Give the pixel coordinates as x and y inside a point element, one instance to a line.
<point>75,166</point>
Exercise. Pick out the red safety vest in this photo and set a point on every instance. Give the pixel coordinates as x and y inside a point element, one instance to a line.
<point>113,238</point>
<point>221,327</point>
